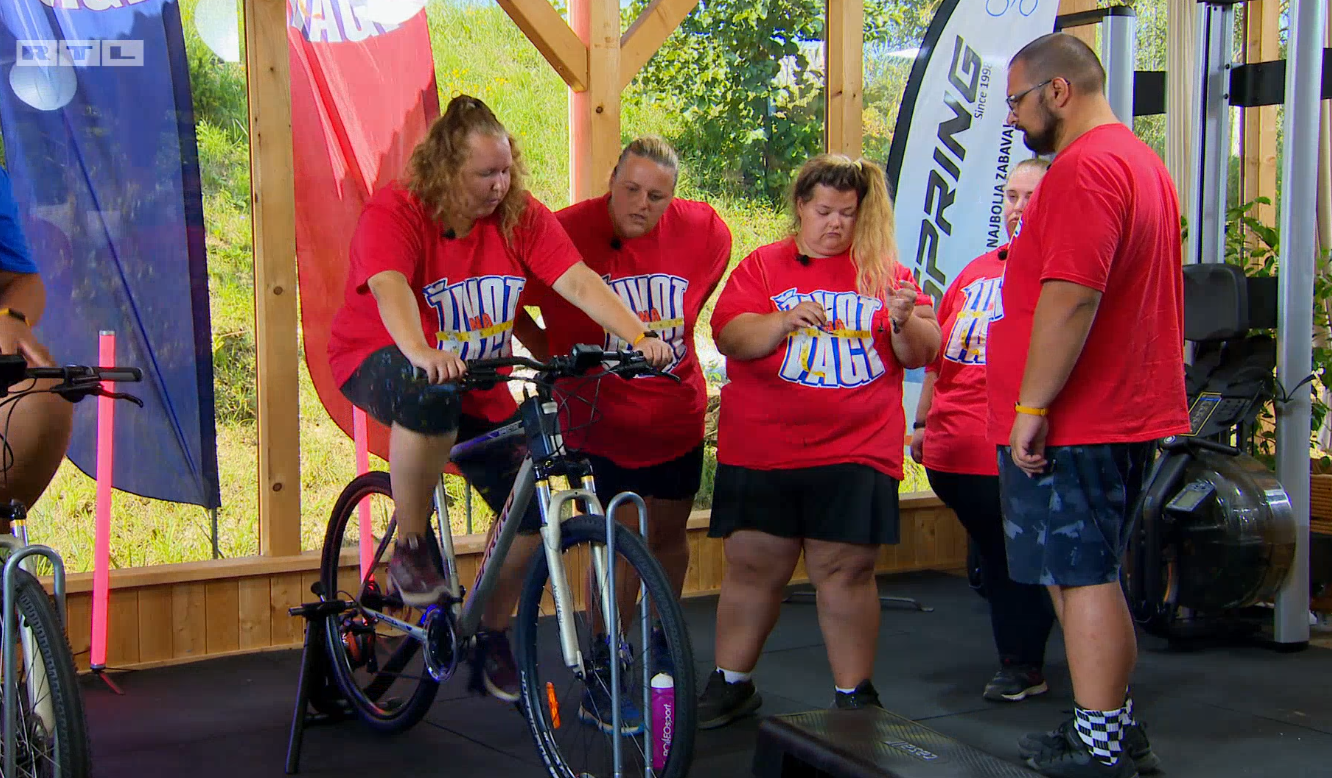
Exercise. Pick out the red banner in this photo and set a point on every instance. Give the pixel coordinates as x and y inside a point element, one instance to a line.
<point>363,94</point>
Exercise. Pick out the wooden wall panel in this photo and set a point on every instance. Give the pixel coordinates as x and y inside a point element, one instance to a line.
<point>158,619</point>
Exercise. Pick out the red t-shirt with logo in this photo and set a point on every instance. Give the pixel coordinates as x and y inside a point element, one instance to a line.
<point>827,396</point>
<point>955,428</point>
<point>664,276</point>
<point>467,288</point>
<point>1105,216</point>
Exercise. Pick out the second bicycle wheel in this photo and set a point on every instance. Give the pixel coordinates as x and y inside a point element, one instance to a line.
<point>378,667</point>
<point>52,731</point>
<point>569,716</point>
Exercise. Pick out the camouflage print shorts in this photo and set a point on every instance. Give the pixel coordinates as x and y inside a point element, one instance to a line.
<point>1070,526</point>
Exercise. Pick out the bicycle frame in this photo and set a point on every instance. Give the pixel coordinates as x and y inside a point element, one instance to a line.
<point>531,481</point>
<point>528,483</point>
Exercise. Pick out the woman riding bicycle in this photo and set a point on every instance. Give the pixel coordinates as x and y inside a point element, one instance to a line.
<point>37,438</point>
<point>438,262</point>
<point>950,442</point>
<point>816,330</point>
<point>664,256</point>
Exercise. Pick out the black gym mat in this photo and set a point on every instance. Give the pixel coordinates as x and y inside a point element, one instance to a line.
<point>1216,712</point>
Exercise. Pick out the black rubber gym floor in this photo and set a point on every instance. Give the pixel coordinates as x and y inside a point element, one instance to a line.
<point>1233,711</point>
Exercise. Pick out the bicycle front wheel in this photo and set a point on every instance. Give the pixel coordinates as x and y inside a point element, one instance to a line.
<point>578,742</point>
<point>52,730</point>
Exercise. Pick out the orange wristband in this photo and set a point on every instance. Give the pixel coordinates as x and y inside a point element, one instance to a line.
<point>1031,411</point>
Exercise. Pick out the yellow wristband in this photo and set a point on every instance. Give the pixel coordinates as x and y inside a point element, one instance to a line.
<point>638,340</point>
<point>1031,411</point>
<point>10,312</point>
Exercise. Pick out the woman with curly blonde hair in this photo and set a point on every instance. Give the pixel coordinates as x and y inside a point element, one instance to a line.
<point>816,330</point>
<point>438,263</point>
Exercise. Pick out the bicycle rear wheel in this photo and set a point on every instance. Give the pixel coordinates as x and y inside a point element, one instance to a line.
<point>579,743</point>
<point>379,668</point>
<point>52,729</point>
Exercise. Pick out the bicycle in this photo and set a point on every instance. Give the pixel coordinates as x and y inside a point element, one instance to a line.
<point>43,707</point>
<point>445,635</point>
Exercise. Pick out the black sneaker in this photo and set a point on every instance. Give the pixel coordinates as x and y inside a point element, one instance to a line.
<point>1015,682</point>
<point>722,702</point>
<point>661,660</point>
<point>1069,757</point>
<point>499,672</point>
<point>1135,742</point>
<point>863,696</point>
<point>413,573</point>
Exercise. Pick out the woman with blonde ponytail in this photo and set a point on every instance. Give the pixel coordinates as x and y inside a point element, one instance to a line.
<point>817,330</point>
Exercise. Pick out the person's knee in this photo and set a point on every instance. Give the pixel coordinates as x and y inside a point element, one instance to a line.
<point>748,564</point>
<point>848,568</point>
<point>36,434</point>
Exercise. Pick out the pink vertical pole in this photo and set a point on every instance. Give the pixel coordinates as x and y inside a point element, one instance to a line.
<point>367,540</point>
<point>106,357</point>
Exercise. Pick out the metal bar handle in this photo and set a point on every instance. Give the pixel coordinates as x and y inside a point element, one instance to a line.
<point>613,632</point>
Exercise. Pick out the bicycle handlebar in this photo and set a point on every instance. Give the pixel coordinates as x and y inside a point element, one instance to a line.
<point>75,381</point>
<point>580,359</point>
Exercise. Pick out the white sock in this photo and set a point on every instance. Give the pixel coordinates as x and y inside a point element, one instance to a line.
<point>843,691</point>
<point>733,677</point>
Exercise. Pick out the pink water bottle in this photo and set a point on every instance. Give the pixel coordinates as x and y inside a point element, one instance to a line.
<point>663,718</point>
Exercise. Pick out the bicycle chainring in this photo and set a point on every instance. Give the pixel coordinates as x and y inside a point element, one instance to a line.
<point>441,648</point>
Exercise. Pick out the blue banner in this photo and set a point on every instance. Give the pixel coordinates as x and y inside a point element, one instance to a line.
<point>98,130</point>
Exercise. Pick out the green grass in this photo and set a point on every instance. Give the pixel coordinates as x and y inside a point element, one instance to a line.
<point>477,51</point>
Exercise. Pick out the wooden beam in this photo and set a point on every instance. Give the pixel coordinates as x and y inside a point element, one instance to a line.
<point>648,32</point>
<point>544,26</point>
<point>594,126</point>
<point>1258,173</point>
<point>273,212</point>
<point>844,64</point>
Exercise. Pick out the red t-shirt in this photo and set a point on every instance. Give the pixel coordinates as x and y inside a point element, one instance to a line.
<point>1105,216</point>
<point>664,277</point>
<point>467,288</point>
<point>823,397</point>
<point>955,439</point>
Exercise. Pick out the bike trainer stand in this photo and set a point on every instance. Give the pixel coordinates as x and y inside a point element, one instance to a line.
<point>314,679</point>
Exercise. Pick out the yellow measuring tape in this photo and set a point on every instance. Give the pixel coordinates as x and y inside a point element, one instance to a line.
<point>452,336</point>
<point>807,352</point>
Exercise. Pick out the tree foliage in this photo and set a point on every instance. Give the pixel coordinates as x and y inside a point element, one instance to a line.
<point>746,79</point>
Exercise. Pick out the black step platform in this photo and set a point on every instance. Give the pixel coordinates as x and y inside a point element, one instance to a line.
<point>868,744</point>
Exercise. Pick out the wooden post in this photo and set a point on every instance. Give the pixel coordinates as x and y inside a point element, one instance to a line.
<point>1086,32</point>
<point>594,126</point>
<point>580,162</point>
<point>1258,173</point>
<point>273,211</point>
<point>1181,57</point>
<point>844,53</point>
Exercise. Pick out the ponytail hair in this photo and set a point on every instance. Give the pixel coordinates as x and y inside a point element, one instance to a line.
<point>434,172</point>
<point>874,242</point>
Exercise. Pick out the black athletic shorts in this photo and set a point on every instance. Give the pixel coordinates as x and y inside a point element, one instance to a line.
<point>387,387</point>
<point>840,503</point>
<point>678,479</point>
